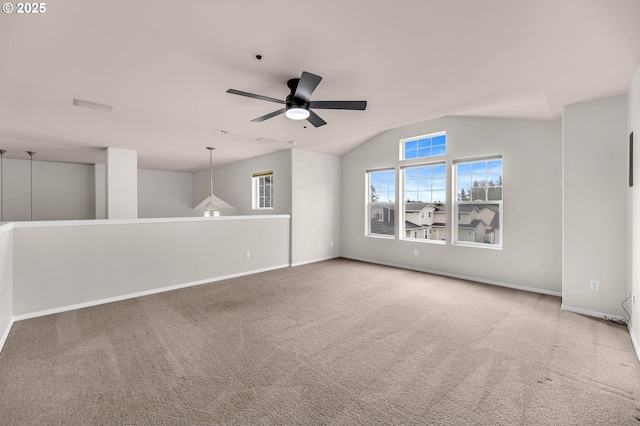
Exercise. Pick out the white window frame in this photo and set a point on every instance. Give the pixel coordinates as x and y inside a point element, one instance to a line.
<point>403,144</point>
<point>259,182</point>
<point>456,214</point>
<point>402,198</point>
<point>368,215</point>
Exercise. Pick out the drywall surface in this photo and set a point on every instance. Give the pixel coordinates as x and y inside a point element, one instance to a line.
<point>634,209</point>
<point>165,194</point>
<point>232,183</point>
<point>531,152</point>
<point>61,191</point>
<point>315,221</point>
<point>594,205</point>
<point>122,186</point>
<point>80,263</point>
<point>6,281</point>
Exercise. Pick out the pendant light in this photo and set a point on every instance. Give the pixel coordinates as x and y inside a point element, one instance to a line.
<point>31,154</point>
<point>211,208</point>
<point>2,151</point>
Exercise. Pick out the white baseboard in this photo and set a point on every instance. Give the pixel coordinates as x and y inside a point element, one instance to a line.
<point>587,312</point>
<point>5,334</point>
<point>462,277</point>
<point>321,259</point>
<point>140,294</point>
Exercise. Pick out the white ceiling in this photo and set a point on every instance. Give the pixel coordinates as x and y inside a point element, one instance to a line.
<point>165,66</point>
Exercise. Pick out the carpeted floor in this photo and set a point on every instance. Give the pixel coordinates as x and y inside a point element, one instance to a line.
<point>333,343</point>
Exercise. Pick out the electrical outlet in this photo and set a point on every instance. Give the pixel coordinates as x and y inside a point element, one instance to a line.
<point>415,252</point>
<point>594,285</point>
<point>331,243</point>
<point>633,299</point>
<point>319,245</point>
<point>247,254</point>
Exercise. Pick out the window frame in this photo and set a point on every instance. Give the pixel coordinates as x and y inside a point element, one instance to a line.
<point>417,139</point>
<point>368,213</point>
<point>456,215</point>
<point>402,218</point>
<point>257,181</point>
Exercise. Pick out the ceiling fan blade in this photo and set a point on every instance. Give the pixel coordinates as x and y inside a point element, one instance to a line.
<point>270,115</point>
<point>353,105</point>
<point>315,119</point>
<point>251,95</point>
<point>307,84</point>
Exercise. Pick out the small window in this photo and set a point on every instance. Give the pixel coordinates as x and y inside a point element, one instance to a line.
<point>263,190</point>
<point>381,201</point>
<point>424,146</point>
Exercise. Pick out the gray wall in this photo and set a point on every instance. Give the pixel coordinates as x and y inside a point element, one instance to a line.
<point>315,222</point>
<point>633,254</point>
<point>165,194</point>
<point>594,205</point>
<point>82,263</point>
<point>232,183</point>
<point>60,190</point>
<point>531,254</point>
<point>6,282</point>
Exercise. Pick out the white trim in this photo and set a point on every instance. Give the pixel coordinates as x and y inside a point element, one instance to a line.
<point>462,277</point>
<point>141,294</point>
<point>93,222</point>
<point>5,227</point>
<point>5,334</point>
<point>587,312</point>
<point>636,347</point>
<point>320,259</point>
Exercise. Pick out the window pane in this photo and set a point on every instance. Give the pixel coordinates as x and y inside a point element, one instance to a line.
<point>381,201</point>
<point>422,143</point>
<point>424,152</point>
<point>477,219</point>
<point>423,187</point>
<point>479,167</point>
<point>495,193</point>
<point>426,146</point>
<point>463,169</point>
<point>438,150</point>
<point>439,140</point>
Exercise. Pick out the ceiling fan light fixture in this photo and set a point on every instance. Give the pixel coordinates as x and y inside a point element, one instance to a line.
<point>297,113</point>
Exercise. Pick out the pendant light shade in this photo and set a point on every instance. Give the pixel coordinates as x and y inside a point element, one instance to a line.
<point>211,208</point>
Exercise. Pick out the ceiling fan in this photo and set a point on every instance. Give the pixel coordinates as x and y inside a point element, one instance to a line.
<point>298,105</point>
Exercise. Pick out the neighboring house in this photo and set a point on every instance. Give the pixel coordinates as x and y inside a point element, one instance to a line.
<point>421,220</point>
<point>382,218</point>
<point>478,223</point>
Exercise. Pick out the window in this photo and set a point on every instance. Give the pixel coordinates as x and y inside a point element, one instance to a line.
<point>263,190</point>
<point>381,200</point>
<point>478,202</point>
<point>424,191</point>
<point>424,146</point>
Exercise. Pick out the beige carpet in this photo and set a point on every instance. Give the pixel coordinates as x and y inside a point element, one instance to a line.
<point>333,343</point>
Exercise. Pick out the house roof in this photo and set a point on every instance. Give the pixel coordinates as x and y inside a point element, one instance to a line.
<point>410,226</point>
<point>473,225</point>
<point>417,206</point>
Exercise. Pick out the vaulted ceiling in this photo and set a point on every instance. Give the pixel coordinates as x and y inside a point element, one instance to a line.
<point>165,67</point>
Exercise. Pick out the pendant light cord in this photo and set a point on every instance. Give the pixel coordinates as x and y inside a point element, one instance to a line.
<point>31,154</point>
